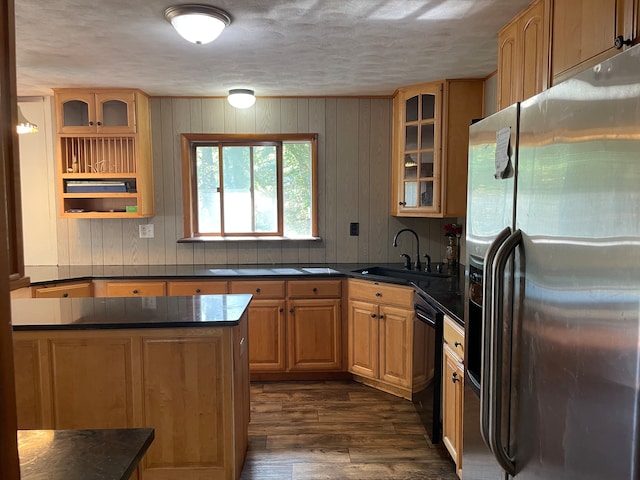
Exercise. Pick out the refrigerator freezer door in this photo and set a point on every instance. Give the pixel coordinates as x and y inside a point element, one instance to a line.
<point>490,205</point>
<point>491,185</point>
<point>578,206</point>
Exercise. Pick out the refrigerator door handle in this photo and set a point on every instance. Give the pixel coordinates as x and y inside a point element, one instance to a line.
<point>485,366</point>
<point>495,374</point>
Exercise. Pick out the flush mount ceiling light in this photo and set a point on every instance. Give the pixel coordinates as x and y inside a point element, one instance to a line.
<point>197,23</point>
<point>241,97</point>
<point>24,125</point>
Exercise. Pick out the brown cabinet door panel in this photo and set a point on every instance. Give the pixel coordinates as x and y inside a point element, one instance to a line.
<point>314,288</point>
<point>267,336</point>
<point>315,335</point>
<point>396,345</point>
<point>203,287</point>
<point>136,289</point>
<point>81,397</point>
<point>259,288</point>
<point>363,339</point>
<point>179,372</point>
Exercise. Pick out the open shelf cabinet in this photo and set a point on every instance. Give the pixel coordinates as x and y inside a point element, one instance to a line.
<point>104,175</point>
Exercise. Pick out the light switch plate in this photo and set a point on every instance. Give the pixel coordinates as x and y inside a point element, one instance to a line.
<point>146,231</point>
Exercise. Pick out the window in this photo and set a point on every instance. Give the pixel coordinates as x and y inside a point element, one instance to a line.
<point>249,186</point>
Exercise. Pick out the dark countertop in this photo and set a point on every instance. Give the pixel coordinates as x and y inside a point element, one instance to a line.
<point>127,312</point>
<point>111,454</point>
<point>446,292</point>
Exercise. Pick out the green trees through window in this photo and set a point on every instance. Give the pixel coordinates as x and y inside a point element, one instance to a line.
<point>250,185</point>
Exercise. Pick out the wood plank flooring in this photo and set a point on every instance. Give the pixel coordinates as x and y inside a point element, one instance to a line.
<point>338,431</point>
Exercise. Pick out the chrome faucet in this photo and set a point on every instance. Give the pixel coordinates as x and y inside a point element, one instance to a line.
<point>417,264</point>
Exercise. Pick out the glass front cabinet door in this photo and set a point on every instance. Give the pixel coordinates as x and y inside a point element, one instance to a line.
<point>417,150</point>
<point>90,112</point>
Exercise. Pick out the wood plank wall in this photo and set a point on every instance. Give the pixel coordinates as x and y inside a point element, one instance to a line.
<point>354,186</point>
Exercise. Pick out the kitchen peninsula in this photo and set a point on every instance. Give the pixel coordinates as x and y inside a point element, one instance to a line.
<point>176,364</point>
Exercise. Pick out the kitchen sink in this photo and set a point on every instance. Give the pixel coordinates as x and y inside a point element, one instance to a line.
<point>400,273</point>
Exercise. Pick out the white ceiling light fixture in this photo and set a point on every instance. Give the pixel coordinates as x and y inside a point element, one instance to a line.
<point>24,125</point>
<point>198,23</point>
<point>241,97</point>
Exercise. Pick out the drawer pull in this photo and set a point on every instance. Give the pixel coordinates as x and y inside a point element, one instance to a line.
<point>198,290</point>
<point>315,290</point>
<point>65,294</point>
<point>258,290</point>
<point>135,292</point>
<point>378,294</point>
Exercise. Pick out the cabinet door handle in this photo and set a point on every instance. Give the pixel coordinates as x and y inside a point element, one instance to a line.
<point>619,42</point>
<point>281,310</point>
<point>402,204</point>
<point>135,292</point>
<point>65,294</point>
<point>198,290</point>
<point>291,310</point>
<point>373,315</point>
<point>454,377</point>
<point>381,317</point>
<point>98,123</point>
<point>457,344</point>
<point>90,123</point>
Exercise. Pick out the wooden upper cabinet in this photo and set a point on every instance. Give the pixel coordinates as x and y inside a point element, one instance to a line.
<point>86,111</point>
<point>583,33</point>
<point>104,153</point>
<point>430,144</point>
<point>523,47</point>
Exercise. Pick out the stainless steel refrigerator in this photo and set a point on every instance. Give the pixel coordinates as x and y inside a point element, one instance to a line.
<point>553,283</point>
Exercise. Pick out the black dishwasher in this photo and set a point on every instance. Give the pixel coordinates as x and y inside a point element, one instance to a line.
<point>427,351</point>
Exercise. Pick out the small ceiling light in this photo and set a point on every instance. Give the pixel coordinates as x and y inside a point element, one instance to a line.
<point>197,23</point>
<point>241,98</point>
<point>24,125</point>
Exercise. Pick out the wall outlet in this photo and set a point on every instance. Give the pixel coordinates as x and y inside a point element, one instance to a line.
<point>146,231</point>
<point>354,229</point>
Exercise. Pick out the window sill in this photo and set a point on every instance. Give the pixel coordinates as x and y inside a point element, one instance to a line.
<point>248,239</point>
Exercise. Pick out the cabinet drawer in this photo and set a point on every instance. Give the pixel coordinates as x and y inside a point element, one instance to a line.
<point>454,336</point>
<point>381,293</point>
<point>259,289</point>
<point>136,289</point>
<point>196,288</point>
<point>314,288</point>
<point>63,291</point>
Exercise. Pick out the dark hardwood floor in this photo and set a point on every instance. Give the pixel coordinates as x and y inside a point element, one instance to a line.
<point>338,431</point>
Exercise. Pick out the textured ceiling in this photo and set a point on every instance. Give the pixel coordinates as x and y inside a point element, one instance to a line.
<point>276,47</point>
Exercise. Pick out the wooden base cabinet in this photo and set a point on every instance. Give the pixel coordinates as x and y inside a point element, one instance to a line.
<point>453,390</point>
<point>267,329</point>
<point>380,332</point>
<point>190,384</point>
<point>295,326</point>
<point>314,333</point>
